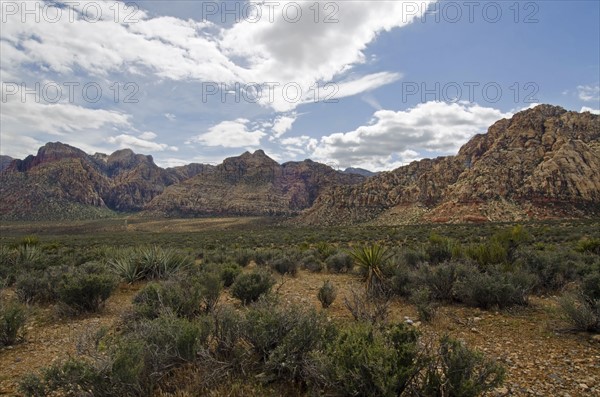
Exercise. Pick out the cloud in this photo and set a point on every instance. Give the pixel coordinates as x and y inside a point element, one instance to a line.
<point>283,124</point>
<point>139,144</point>
<point>587,109</point>
<point>589,93</point>
<point>170,116</point>
<point>396,137</point>
<point>230,134</point>
<point>276,51</point>
<point>148,135</point>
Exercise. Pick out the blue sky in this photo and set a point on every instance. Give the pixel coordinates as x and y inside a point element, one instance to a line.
<point>374,84</point>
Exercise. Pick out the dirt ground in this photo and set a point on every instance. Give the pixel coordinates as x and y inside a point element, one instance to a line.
<point>540,359</point>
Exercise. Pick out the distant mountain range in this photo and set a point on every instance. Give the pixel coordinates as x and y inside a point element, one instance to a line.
<point>542,163</point>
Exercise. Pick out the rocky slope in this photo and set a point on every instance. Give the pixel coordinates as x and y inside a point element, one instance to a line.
<point>62,181</point>
<point>251,184</point>
<point>541,163</point>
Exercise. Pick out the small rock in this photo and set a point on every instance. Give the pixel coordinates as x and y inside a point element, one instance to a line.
<point>595,338</point>
<point>583,386</point>
<point>477,319</point>
<point>408,321</point>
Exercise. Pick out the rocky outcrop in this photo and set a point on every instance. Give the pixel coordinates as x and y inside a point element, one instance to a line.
<point>250,184</point>
<point>541,163</point>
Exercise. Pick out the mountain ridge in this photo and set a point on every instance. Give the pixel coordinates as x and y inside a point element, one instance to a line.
<point>541,163</point>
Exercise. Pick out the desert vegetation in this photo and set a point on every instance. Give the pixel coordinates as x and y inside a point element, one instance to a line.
<point>210,310</point>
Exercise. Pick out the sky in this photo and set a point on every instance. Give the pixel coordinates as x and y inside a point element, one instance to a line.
<point>370,84</point>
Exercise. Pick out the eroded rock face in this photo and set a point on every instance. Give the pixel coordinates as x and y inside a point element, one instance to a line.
<point>541,163</point>
<point>250,184</point>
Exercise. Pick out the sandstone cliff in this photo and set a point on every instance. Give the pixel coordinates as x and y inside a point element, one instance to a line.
<point>542,163</point>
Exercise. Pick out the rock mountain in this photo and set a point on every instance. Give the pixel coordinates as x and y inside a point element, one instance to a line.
<point>542,163</point>
<point>63,182</point>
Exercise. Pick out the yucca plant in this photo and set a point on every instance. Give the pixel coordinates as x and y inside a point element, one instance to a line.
<point>28,256</point>
<point>161,263</point>
<point>370,259</point>
<point>127,268</point>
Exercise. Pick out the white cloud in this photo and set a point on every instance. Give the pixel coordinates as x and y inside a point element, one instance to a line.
<point>131,142</point>
<point>230,134</point>
<point>589,93</point>
<point>393,138</point>
<point>283,124</point>
<point>170,116</point>
<point>366,83</point>
<point>587,109</point>
<point>278,51</point>
<point>148,135</point>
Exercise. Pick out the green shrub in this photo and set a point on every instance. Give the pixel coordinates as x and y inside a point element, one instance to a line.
<point>228,273</point>
<point>151,348</point>
<point>299,333</point>
<point>12,323</point>
<point>86,288</point>
<point>311,263</point>
<point>414,257</point>
<point>243,257</point>
<point>591,245</point>
<point>487,254</point>
<point>40,286</point>
<point>590,286</point>
<point>182,297</point>
<point>75,377</point>
<point>8,269</point>
<point>327,294</point>
<point>441,279</point>
<point>424,304</point>
<point>441,249</point>
<point>458,371</point>
<point>366,361</point>
<point>554,269</point>
<point>325,250</point>
<point>264,255</point>
<point>248,287</point>
<point>210,285</point>
<point>339,263</point>
<point>403,280</point>
<point>285,265</point>
<point>580,312</point>
<point>495,288</point>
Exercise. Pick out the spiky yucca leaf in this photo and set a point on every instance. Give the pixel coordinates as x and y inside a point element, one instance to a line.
<point>370,259</point>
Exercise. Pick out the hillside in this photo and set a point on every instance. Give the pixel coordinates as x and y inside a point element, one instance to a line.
<point>63,182</point>
<point>251,184</point>
<point>541,163</point>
